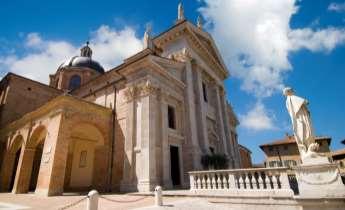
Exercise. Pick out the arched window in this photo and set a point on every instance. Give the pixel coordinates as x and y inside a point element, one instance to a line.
<point>74,82</point>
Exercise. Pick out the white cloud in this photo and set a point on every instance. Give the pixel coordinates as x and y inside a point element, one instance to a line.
<point>337,7</point>
<point>34,40</point>
<point>258,118</point>
<point>320,40</point>
<point>110,47</point>
<point>256,40</point>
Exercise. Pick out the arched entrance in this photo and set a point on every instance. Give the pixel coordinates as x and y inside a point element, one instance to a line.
<point>36,143</point>
<point>82,153</point>
<point>13,159</point>
<point>30,162</point>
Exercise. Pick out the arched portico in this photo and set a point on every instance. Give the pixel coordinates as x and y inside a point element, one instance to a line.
<point>10,163</point>
<point>30,161</point>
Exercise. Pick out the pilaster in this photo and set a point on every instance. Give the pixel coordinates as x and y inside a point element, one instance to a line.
<point>220,113</point>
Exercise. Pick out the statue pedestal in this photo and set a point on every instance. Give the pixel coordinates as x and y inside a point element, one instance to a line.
<point>317,178</point>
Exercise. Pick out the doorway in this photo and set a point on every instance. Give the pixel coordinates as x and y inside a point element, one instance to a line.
<point>14,169</point>
<point>36,166</point>
<point>175,166</point>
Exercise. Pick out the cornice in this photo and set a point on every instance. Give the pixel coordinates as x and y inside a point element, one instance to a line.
<point>56,106</point>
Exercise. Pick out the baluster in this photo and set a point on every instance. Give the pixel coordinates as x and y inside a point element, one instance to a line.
<point>267,181</point>
<point>247,181</point>
<point>241,181</point>
<point>260,181</point>
<point>213,181</point>
<point>197,182</point>
<point>208,181</point>
<point>250,178</point>
<point>225,182</point>
<point>284,180</point>
<point>203,181</point>
<point>232,181</point>
<point>274,181</point>
<point>191,181</point>
<point>219,182</point>
<point>254,181</point>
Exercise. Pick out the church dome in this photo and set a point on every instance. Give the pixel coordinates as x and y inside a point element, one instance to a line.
<point>84,60</point>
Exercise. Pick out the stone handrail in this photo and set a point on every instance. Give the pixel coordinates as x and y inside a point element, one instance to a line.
<point>252,179</point>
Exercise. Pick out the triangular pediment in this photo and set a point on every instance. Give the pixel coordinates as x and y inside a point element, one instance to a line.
<point>200,40</point>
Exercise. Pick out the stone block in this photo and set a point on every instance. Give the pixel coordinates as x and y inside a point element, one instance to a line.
<point>319,181</point>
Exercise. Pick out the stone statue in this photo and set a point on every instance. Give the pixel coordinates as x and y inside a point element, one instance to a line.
<point>180,12</point>
<point>199,22</point>
<point>301,124</point>
<point>147,37</point>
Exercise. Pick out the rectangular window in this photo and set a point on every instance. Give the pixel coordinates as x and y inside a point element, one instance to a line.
<point>83,158</point>
<point>204,91</point>
<point>171,117</point>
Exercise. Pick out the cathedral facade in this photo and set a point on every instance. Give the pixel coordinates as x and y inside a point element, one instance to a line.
<point>144,123</point>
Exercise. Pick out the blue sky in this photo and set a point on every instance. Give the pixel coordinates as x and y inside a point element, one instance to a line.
<point>266,44</point>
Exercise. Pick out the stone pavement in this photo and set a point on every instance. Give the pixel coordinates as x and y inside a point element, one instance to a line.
<point>10,201</point>
<point>189,204</point>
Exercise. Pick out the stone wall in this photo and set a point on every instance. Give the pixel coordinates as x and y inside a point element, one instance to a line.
<point>22,96</point>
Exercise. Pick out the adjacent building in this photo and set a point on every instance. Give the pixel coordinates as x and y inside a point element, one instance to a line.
<point>246,158</point>
<point>143,123</point>
<point>338,156</point>
<point>284,152</point>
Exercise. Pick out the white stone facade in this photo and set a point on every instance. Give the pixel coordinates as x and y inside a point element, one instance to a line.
<point>165,107</point>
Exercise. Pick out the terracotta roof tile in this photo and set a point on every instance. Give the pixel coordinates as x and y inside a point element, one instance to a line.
<point>291,140</point>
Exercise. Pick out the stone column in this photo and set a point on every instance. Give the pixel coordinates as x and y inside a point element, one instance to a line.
<point>6,170</point>
<point>167,182</point>
<point>23,175</point>
<point>54,157</point>
<point>220,113</point>
<point>191,115</point>
<point>202,112</point>
<point>127,182</point>
<point>147,167</point>
<point>231,148</point>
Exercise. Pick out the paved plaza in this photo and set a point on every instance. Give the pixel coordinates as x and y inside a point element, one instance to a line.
<point>10,201</point>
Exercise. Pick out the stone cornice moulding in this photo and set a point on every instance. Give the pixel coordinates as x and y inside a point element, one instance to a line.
<point>62,102</point>
<point>166,74</point>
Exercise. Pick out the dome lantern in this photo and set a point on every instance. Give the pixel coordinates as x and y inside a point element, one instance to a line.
<point>86,51</point>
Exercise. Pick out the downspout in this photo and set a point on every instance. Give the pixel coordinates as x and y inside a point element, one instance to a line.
<point>112,148</point>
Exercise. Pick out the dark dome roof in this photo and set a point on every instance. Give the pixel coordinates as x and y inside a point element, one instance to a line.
<point>80,61</point>
<point>84,60</point>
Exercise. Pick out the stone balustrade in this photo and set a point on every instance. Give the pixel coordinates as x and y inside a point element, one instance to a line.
<point>253,181</point>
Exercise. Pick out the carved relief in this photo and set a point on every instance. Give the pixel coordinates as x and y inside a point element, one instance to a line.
<point>130,93</point>
<point>318,176</point>
<point>182,55</point>
<point>138,91</point>
<point>148,89</point>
